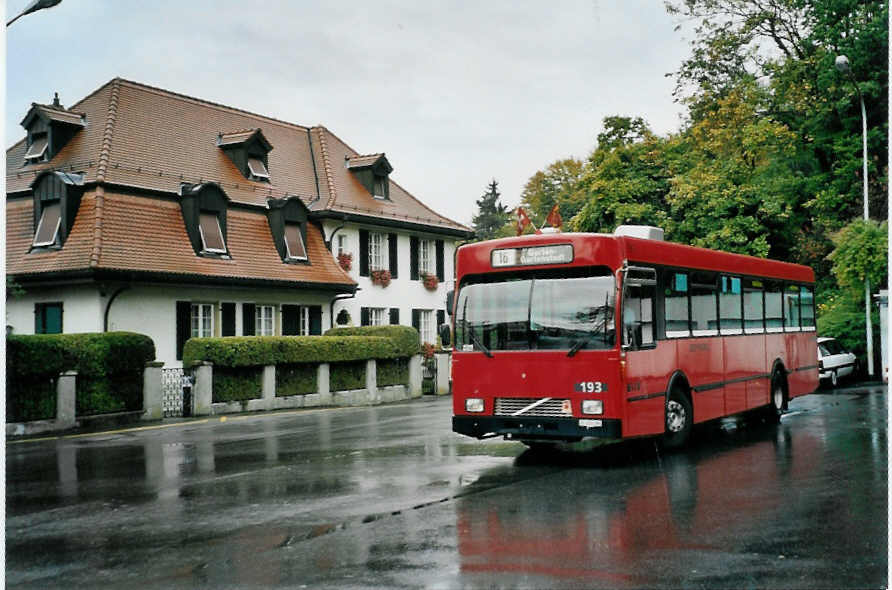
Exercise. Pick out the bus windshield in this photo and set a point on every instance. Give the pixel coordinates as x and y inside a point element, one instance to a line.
<point>537,310</point>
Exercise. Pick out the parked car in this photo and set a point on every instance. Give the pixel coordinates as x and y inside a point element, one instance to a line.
<point>834,362</point>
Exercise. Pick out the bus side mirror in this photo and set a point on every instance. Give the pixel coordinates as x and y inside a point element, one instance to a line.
<point>445,336</point>
<point>450,296</point>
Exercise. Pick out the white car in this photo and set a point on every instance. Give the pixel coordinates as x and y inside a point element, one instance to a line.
<point>834,362</point>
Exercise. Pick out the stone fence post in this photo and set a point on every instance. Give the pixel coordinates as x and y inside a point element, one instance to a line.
<point>442,373</point>
<point>151,391</point>
<point>415,375</point>
<point>203,388</point>
<point>269,386</point>
<point>371,380</point>
<point>66,392</point>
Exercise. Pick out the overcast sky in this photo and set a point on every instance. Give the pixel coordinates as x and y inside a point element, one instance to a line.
<point>455,93</point>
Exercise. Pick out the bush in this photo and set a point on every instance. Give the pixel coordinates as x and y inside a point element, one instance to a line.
<point>406,338</point>
<point>247,351</point>
<point>295,379</point>
<point>393,372</point>
<point>237,384</point>
<point>345,376</point>
<point>109,366</point>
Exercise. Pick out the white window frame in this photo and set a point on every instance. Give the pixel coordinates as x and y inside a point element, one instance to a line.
<point>43,214</point>
<point>204,314</point>
<point>378,251</point>
<point>304,329</point>
<point>426,326</point>
<point>36,156</point>
<point>377,316</point>
<point>263,314</point>
<point>425,256</point>
<point>204,245</point>
<point>379,182</point>
<point>300,237</point>
<point>342,244</point>
<point>262,173</point>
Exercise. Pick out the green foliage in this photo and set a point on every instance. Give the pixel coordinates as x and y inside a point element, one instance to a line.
<point>237,384</point>
<point>861,253</point>
<point>346,376</point>
<point>392,372</point>
<point>405,338</point>
<point>109,366</point>
<point>555,185</point>
<point>296,379</point>
<point>246,351</point>
<point>491,214</point>
<point>13,289</point>
<point>841,316</point>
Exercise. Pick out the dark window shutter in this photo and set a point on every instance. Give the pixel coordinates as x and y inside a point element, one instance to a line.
<point>248,319</point>
<point>290,320</point>
<point>363,252</point>
<point>315,320</point>
<point>39,319</point>
<point>184,325</point>
<point>394,261</point>
<point>441,317</point>
<point>413,258</point>
<point>394,316</point>
<point>364,316</point>
<point>416,319</point>
<point>440,263</point>
<point>227,311</point>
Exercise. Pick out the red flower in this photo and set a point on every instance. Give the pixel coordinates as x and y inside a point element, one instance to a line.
<point>381,277</point>
<point>345,259</point>
<point>427,350</point>
<point>430,281</point>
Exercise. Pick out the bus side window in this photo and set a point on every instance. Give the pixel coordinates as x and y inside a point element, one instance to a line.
<point>753,306</point>
<point>675,304</point>
<point>730,306</point>
<point>774,307</point>
<point>791,308</point>
<point>704,304</point>
<point>807,307</point>
<point>638,315</point>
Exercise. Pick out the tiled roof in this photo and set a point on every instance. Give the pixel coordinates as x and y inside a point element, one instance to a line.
<point>59,114</point>
<point>361,161</point>
<point>147,234</point>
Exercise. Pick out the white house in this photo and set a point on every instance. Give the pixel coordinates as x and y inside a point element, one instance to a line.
<point>144,210</point>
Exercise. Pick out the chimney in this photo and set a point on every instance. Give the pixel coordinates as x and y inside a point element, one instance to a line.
<point>56,102</point>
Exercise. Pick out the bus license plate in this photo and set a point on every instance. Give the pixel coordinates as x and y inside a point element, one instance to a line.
<point>590,423</point>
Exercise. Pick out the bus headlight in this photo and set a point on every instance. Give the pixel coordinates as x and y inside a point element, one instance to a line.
<point>473,404</point>
<point>592,406</point>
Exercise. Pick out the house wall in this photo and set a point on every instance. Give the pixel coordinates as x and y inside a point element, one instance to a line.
<point>81,308</point>
<point>403,292</point>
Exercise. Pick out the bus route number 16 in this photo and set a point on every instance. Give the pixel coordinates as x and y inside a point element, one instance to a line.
<point>590,387</point>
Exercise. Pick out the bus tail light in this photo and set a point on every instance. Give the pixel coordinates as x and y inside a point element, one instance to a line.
<point>473,404</point>
<point>592,406</point>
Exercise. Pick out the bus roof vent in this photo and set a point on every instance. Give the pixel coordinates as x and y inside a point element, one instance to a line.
<point>646,232</point>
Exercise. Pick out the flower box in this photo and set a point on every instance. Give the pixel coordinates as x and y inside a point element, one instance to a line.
<point>345,259</point>
<point>430,281</point>
<point>381,277</point>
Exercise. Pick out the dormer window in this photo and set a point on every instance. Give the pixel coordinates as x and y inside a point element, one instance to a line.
<point>48,227</point>
<point>258,168</point>
<point>37,150</point>
<point>211,234</point>
<point>49,128</point>
<point>294,242</point>
<point>249,151</point>
<point>373,172</point>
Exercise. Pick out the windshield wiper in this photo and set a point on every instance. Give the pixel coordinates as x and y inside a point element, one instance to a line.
<point>479,344</point>
<point>577,346</point>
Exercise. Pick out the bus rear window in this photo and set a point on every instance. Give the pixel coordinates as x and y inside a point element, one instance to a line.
<point>538,310</point>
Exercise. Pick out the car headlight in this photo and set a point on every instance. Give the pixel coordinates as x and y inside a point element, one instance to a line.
<point>473,404</point>
<point>592,406</point>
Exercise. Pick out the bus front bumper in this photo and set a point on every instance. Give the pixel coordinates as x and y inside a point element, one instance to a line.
<point>557,429</point>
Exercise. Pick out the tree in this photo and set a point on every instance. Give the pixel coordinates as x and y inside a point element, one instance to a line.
<point>556,185</point>
<point>492,215</point>
<point>861,253</point>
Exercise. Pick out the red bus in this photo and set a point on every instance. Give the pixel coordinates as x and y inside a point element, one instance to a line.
<point>562,337</point>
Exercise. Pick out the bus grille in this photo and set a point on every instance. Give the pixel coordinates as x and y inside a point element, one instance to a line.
<point>553,408</point>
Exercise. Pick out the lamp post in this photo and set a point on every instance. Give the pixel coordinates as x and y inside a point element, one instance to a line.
<point>33,7</point>
<point>842,64</point>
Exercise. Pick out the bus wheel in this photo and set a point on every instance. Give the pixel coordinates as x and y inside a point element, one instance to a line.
<point>679,420</point>
<point>779,399</point>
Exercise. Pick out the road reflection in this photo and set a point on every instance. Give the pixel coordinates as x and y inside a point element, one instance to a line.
<point>609,514</point>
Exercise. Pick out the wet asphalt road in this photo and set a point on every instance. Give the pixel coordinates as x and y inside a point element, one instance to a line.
<point>389,497</point>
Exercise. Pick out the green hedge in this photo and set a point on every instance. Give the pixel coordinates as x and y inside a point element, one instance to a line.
<point>393,372</point>
<point>346,376</point>
<point>404,337</point>
<point>338,345</point>
<point>109,365</point>
<point>237,384</point>
<point>295,379</point>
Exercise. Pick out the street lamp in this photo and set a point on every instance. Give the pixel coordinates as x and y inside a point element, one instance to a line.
<point>842,64</point>
<point>34,7</point>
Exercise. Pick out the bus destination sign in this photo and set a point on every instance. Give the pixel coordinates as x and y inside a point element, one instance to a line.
<point>552,254</point>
